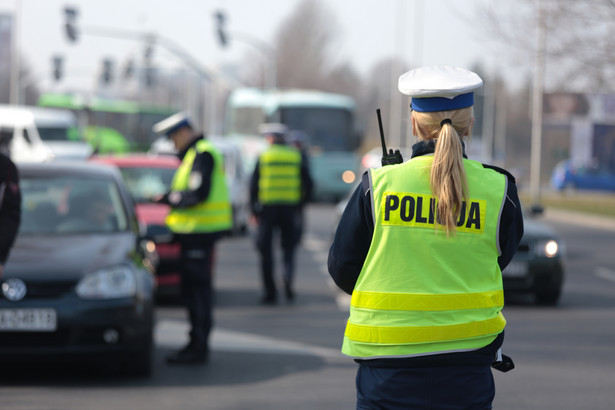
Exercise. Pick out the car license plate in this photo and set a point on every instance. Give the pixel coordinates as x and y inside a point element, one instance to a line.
<point>29,320</point>
<point>515,270</point>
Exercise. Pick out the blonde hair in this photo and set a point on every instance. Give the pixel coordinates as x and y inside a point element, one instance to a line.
<point>448,178</point>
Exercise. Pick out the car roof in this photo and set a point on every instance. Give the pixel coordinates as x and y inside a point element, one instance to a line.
<point>139,160</point>
<point>84,168</point>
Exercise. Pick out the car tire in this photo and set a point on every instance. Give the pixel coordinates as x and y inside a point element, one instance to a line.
<point>139,364</point>
<point>548,297</point>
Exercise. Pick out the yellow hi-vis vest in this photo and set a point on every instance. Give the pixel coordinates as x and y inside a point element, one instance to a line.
<point>214,214</point>
<point>279,176</point>
<point>420,292</point>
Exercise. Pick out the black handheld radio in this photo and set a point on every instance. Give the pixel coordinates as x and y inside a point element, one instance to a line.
<point>390,157</point>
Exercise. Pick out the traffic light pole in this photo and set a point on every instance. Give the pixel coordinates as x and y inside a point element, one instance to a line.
<point>263,47</point>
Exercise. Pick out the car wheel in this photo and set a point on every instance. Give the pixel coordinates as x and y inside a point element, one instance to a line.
<point>548,297</point>
<point>139,364</point>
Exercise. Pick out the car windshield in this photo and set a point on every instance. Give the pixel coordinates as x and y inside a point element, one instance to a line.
<point>145,183</point>
<point>70,205</point>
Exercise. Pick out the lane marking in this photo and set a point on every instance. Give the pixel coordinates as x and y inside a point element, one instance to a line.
<point>605,273</point>
<point>319,249</point>
<point>174,334</point>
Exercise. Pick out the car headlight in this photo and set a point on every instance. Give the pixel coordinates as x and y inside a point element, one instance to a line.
<point>109,283</point>
<point>549,248</point>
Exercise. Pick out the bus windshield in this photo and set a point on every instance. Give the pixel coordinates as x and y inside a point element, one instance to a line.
<point>245,120</point>
<point>328,129</point>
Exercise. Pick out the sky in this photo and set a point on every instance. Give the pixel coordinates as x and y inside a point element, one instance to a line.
<point>421,32</point>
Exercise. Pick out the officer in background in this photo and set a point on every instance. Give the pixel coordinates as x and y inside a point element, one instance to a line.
<point>421,246</point>
<point>279,187</point>
<point>200,214</point>
<point>10,207</point>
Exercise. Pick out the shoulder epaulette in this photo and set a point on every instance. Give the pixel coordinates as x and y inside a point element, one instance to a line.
<point>501,171</point>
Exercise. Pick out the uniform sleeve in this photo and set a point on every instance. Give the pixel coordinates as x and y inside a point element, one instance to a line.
<point>306,180</point>
<point>199,183</point>
<point>254,204</point>
<point>511,225</point>
<point>10,207</point>
<point>352,240</point>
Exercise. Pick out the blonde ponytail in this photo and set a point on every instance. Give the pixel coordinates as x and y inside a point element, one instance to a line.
<point>448,179</point>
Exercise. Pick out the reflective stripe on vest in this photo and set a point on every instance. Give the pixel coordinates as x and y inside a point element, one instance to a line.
<point>420,292</point>
<point>279,176</point>
<point>212,215</point>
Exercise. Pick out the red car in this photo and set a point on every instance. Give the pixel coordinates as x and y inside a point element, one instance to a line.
<point>147,176</point>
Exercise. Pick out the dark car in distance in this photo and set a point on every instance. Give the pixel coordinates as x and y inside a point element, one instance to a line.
<point>78,283</point>
<point>537,267</point>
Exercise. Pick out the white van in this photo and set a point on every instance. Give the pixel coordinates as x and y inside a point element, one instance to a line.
<point>19,136</point>
<point>59,131</point>
<point>35,134</point>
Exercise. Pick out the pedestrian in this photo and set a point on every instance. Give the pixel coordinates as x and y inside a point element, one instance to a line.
<point>200,215</point>
<point>279,187</point>
<point>421,246</point>
<point>10,207</point>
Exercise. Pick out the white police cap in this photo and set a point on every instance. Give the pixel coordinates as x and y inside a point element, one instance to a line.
<point>439,88</point>
<point>273,128</point>
<point>171,124</point>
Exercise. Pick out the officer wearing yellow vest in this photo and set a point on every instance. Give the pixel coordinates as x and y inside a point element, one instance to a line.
<point>279,187</point>
<point>421,246</point>
<point>200,214</point>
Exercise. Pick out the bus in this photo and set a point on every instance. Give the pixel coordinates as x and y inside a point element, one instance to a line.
<point>327,120</point>
<point>110,125</point>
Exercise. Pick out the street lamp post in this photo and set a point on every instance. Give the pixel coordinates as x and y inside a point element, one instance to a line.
<point>539,68</point>
<point>15,84</point>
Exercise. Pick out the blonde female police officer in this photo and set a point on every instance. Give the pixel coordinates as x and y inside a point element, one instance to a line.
<point>420,246</point>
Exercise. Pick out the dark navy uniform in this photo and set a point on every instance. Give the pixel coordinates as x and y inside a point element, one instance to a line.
<point>197,253</point>
<point>288,219</point>
<point>387,382</point>
<point>10,206</point>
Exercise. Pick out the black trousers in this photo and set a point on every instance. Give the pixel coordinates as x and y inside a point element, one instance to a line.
<point>282,218</point>
<point>446,387</point>
<point>196,264</point>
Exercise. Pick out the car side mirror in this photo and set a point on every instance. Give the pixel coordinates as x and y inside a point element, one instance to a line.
<point>159,234</point>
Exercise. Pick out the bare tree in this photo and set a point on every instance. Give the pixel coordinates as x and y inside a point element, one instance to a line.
<point>579,49</point>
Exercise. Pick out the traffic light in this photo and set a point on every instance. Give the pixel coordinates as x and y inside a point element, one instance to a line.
<point>58,67</point>
<point>129,69</point>
<point>150,76</point>
<point>220,19</point>
<point>149,72</point>
<point>70,14</point>
<point>107,74</point>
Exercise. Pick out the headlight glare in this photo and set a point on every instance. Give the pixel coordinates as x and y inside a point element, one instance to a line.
<point>549,248</point>
<point>108,283</point>
<point>348,176</point>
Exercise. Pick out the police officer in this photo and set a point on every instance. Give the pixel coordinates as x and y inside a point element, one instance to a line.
<point>10,207</point>
<point>200,214</point>
<point>420,246</point>
<point>279,187</point>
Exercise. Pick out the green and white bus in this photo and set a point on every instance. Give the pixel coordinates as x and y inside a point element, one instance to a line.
<point>110,125</point>
<point>327,120</point>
